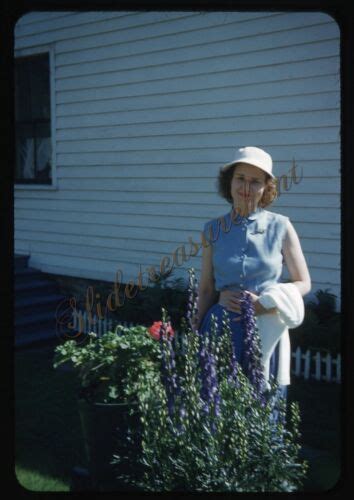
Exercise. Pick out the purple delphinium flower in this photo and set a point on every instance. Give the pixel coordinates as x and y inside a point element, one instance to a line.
<point>252,364</point>
<point>208,372</point>
<point>214,396</point>
<point>202,354</point>
<point>234,367</point>
<point>217,401</point>
<point>168,369</point>
<point>229,349</point>
<point>211,382</point>
<point>192,306</point>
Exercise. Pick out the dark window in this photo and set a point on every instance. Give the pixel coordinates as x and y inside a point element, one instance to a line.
<point>32,111</point>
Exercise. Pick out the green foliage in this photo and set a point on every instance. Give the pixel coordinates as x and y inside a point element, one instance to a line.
<point>109,366</point>
<point>326,305</point>
<point>46,411</point>
<point>146,306</point>
<point>241,448</point>
<point>321,328</point>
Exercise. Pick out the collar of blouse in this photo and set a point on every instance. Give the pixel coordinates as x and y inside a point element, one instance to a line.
<point>253,215</point>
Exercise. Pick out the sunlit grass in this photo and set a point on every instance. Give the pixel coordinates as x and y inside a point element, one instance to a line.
<point>33,480</point>
<point>48,433</point>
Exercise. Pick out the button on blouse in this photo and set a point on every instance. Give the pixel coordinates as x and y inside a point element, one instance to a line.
<point>246,250</point>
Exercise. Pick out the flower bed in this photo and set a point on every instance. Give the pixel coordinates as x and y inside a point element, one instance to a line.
<point>208,425</point>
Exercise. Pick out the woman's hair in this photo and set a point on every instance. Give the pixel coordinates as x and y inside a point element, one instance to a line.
<point>224,187</point>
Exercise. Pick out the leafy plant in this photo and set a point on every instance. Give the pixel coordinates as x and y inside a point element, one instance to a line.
<point>326,305</point>
<point>321,328</point>
<point>109,366</point>
<point>145,307</point>
<point>208,424</point>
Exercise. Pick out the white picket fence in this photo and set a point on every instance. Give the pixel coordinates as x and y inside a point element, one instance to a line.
<point>308,365</point>
<point>82,323</point>
<point>316,366</point>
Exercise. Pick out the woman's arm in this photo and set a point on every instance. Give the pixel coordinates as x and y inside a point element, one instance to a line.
<point>207,295</point>
<point>295,260</point>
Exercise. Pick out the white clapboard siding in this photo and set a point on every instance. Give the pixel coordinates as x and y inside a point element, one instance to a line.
<point>328,246</point>
<point>44,22</point>
<point>174,184</point>
<point>155,251</point>
<point>317,136</point>
<point>108,254</point>
<point>280,121</point>
<point>187,44</point>
<point>290,199</point>
<point>136,250</point>
<point>148,105</point>
<point>327,260</point>
<point>305,171</point>
<point>180,155</point>
<point>160,26</point>
<point>225,109</point>
<point>190,29</point>
<point>193,97</point>
<point>217,54</point>
<point>236,78</point>
<point>186,69</point>
<point>190,26</point>
<point>170,219</point>
<point>154,209</point>
<point>88,269</point>
<point>133,221</point>
<point>101,229</point>
<point>157,245</point>
<point>244,46</point>
<point>88,26</point>
<point>317,276</point>
<point>180,231</point>
<point>38,19</point>
<point>101,269</point>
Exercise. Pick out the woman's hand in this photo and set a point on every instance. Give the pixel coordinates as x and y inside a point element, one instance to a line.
<point>232,301</point>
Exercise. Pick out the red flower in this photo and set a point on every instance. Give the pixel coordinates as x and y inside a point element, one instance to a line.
<point>154,330</point>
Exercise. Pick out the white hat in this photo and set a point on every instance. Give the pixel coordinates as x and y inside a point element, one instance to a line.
<point>253,156</point>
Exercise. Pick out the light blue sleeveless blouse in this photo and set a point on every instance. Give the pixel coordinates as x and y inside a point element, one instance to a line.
<point>247,250</point>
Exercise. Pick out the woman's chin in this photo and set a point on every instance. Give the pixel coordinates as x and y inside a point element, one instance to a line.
<point>245,206</point>
<point>246,202</point>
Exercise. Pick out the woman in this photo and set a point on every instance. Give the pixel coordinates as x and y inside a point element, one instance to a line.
<point>247,248</point>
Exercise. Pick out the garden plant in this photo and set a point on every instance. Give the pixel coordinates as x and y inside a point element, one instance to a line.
<point>208,424</point>
<point>109,370</point>
<point>109,367</point>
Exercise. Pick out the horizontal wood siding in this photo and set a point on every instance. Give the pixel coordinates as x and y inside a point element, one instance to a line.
<point>150,104</point>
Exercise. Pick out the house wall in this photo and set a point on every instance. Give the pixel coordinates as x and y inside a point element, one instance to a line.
<point>148,105</point>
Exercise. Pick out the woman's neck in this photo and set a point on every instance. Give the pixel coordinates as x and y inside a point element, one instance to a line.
<point>245,211</point>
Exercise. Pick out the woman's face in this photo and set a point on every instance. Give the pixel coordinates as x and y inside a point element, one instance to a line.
<point>247,186</point>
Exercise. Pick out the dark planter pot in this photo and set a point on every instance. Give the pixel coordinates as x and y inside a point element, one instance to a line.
<point>109,429</point>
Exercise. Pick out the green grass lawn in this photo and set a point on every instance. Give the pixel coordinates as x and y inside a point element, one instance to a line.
<point>48,435</point>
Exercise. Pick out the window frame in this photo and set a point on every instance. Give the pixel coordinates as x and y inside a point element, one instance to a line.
<point>47,49</point>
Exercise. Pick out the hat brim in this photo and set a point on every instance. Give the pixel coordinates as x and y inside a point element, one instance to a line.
<point>231,164</point>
